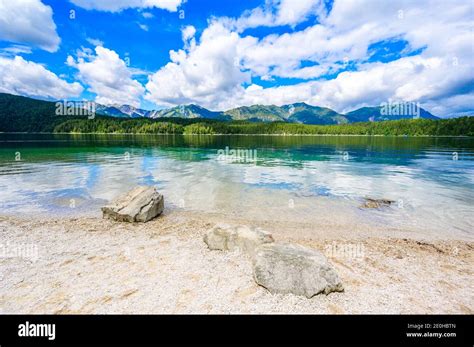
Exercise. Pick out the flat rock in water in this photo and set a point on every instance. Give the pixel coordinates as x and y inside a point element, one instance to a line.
<point>141,204</point>
<point>376,203</point>
<point>227,238</point>
<point>287,268</point>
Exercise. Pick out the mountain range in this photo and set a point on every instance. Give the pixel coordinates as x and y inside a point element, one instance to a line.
<point>301,113</point>
<point>293,113</point>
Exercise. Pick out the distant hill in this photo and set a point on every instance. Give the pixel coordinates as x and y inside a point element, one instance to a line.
<point>18,113</point>
<point>256,113</point>
<point>121,111</point>
<point>292,113</point>
<point>21,114</point>
<point>187,112</point>
<point>301,113</point>
<point>396,111</point>
<point>307,114</point>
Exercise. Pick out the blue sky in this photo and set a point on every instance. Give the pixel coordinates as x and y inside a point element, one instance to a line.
<point>223,54</point>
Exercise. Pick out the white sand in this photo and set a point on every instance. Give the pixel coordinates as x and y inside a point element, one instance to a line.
<point>90,265</point>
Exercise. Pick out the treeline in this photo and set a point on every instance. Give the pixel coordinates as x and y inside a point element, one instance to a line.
<point>463,126</point>
<point>21,114</point>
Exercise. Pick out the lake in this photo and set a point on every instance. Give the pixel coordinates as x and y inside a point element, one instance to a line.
<point>291,178</point>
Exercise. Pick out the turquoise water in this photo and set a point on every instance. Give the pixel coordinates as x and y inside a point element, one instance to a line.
<point>431,179</point>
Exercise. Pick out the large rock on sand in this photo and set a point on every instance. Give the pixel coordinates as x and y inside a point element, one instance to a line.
<point>138,205</point>
<point>227,238</point>
<point>286,268</point>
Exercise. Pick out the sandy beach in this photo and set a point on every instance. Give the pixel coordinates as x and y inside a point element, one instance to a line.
<point>92,265</point>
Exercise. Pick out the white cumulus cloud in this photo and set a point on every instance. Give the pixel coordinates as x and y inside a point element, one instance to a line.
<point>277,13</point>
<point>22,77</point>
<point>204,73</point>
<point>29,22</point>
<point>119,5</point>
<point>107,76</point>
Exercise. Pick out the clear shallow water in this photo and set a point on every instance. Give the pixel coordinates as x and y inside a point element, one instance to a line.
<point>292,178</point>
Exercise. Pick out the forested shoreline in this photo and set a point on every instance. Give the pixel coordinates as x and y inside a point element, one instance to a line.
<point>463,126</point>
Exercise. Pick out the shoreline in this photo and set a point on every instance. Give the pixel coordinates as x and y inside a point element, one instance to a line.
<point>282,135</point>
<point>92,265</point>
